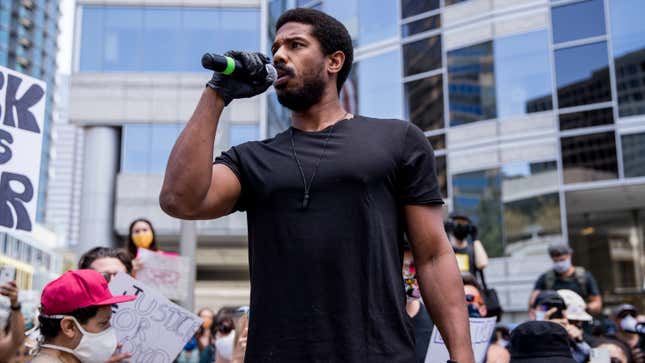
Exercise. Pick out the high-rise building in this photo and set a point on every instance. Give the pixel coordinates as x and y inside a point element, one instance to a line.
<point>136,79</point>
<point>28,44</point>
<point>536,113</point>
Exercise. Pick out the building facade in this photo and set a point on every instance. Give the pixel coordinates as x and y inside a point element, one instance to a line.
<point>535,110</point>
<point>136,80</point>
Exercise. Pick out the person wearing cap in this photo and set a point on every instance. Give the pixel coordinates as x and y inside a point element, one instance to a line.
<point>75,318</point>
<point>576,316</point>
<point>636,342</point>
<point>539,342</point>
<point>563,275</point>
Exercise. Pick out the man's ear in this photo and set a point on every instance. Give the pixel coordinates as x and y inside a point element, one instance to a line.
<point>336,62</point>
<point>68,328</point>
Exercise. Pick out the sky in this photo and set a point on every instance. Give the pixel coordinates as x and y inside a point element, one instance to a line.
<point>66,36</point>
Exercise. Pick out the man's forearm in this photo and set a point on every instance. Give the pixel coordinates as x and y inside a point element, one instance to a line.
<point>595,305</point>
<point>188,174</point>
<point>442,290</point>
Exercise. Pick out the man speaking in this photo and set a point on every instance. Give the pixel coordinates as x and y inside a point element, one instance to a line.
<point>327,202</point>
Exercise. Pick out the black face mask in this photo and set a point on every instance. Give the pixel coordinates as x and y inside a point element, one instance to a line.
<point>461,231</point>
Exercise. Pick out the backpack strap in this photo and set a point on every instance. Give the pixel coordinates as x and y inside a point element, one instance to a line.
<point>581,277</point>
<point>549,280</point>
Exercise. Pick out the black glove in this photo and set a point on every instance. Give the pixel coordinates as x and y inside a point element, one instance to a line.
<point>248,85</point>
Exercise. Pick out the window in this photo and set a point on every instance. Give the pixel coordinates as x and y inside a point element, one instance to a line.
<point>575,120</point>
<point>380,96</point>
<point>452,2</point>
<point>531,201</point>
<point>420,26</point>
<point>440,166</point>
<point>478,195</point>
<point>628,32</point>
<point>589,158</point>
<point>522,74</point>
<point>365,22</point>
<point>578,20</point>
<point>471,84</point>
<point>146,147</point>
<point>425,102</point>
<point>422,55</point>
<point>634,155</point>
<point>414,7</point>
<point>582,75</point>
<point>438,142</point>
<point>241,133</point>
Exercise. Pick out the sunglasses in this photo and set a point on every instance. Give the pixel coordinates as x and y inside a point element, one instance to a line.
<point>474,298</point>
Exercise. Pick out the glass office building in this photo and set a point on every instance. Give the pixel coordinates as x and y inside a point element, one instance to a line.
<point>536,113</point>
<point>28,44</point>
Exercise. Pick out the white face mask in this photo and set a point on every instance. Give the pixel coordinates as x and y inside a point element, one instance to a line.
<point>562,266</point>
<point>540,315</point>
<point>224,345</point>
<point>93,347</point>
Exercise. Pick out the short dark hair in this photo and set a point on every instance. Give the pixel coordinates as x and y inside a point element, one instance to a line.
<point>331,33</point>
<point>132,248</point>
<point>470,280</point>
<point>50,327</point>
<point>104,252</point>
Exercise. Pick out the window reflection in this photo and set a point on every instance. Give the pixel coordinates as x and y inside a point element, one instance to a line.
<point>365,21</point>
<point>146,147</point>
<point>380,96</point>
<point>628,35</point>
<point>634,155</point>
<point>575,120</point>
<point>419,26</point>
<point>414,7</point>
<point>478,195</point>
<point>522,74</point>
<point>440,164</point>
<point>422,56</point>
<point>582,75</point>
<point>425,102</point>
<point>438,142</point>
<point>589,158</point>
<point>471,84</point>
<point>578,20</point>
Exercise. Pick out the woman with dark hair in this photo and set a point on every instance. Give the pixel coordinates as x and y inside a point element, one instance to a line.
<point>140,235</point>
<point>200,348</point>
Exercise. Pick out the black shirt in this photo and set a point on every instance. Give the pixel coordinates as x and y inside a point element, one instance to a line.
<point>423,326</point>
<point>570,283</point>
<point>326,282</point>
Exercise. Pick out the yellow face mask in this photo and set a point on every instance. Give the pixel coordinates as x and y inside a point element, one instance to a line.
<point>142,240</point>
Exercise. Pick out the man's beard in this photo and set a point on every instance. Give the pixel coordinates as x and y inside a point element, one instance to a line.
<point>304,97</point>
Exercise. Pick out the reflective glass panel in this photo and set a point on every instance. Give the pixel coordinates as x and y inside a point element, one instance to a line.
<point>451,2</point>
<point>578,20</point>
<point>424,100</point>
<point>589,158</point>
<point>123,39</point>
<point>414,7</point>
<point>160,29</point>
<point>634,155</point>
<point>163,137</point>
<point>438,142</point>
<point>241,133</point>
<point>628,35</point>
<point>575,120</point>
<point>478,195</point>
<point>377,21</point>
<point>440,165</point>
<point>419,26</point>
<point>422,55</point>
<point>522,74</point>
<point>582,75</point>
<point>135,148</point>
<point>471,84</point>
<point>380,96</point>
<point>91,57</point>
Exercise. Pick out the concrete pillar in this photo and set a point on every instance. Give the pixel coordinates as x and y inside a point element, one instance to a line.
<point>100,165</point>
<point>187,248</point>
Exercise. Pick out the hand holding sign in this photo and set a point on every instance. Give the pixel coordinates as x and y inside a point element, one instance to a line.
<point>481,329</point>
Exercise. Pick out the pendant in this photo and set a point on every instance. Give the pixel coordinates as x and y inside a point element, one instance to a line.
<point>305,201</point>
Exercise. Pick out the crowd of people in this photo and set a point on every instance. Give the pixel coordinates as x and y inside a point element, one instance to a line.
<point>564,309</point>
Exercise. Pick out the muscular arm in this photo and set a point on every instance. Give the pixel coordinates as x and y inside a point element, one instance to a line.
<point>193,187</point>
<point>439,278</point>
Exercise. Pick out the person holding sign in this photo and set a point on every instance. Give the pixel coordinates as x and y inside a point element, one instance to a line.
<point>13,336</point>
<point>75,320</point>
<point>142,235</point>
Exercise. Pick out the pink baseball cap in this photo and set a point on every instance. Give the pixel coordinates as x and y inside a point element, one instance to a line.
<point>78,289</point>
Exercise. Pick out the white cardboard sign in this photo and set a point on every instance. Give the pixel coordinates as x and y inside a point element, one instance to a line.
<point>481,330</point>
<point>151,327</point>
<point>168,274</point>
<point>22,119</point>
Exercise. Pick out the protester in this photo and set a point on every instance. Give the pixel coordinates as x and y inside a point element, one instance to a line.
<point>74,320</point>
<point>414,307</point>
<point>576,316</point>
<point>636,342</point>
<point>200,348</point>
<point>141,235</point>
<point>618,353</point>
<point>107,261</point>
<point>224,335</point>
<point>13,335</point>
<point>540,342</point>
<point>470,252</point>
<point>326,210</point>
<point>564,275</point>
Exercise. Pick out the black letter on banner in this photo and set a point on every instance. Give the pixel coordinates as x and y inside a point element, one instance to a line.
<point>26,119</point>
<point>10,199</point>
<point>5,150</point>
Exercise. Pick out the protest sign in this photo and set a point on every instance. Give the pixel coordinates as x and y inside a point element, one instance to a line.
<point>22,118</point>
<point>481,330</point>
<point>151,327</point>
<point>167,274</point>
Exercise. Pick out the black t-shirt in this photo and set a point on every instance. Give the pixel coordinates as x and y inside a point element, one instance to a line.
<point>326,282</point>
<point>570,283</point>
<point>423,326</point>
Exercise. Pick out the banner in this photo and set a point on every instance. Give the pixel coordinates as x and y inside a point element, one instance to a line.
<point>167,274</point>
<point>22,119</point>
<point>481,330</point>
<point>151,327</point>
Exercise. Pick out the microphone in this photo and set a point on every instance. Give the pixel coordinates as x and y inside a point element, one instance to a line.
<point>231,66</point>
